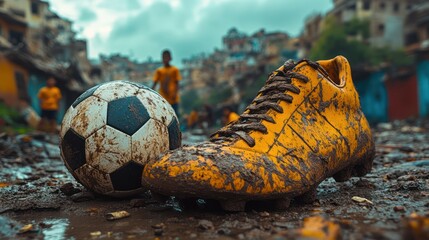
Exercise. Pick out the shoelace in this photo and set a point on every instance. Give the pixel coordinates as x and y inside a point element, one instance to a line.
<point>277,87</point>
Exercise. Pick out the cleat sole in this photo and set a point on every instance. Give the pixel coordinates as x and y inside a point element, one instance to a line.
<point>233,205</point>
<point>308,197</point>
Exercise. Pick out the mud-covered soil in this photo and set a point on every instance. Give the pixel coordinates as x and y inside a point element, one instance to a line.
<point>39,199</point>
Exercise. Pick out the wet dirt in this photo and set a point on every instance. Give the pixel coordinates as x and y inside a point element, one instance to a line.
<point>37,189</point>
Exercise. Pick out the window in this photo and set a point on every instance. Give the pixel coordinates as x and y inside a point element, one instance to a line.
<point>380,29</point>
<point>35,8</point>
<point>16,37</point>
<point>411,38</point>
<point>366,5</point>
<point>351,7</point>
<point>396,7</point>
<point>382,5</point>
<point>21,85</point>
<point>1,3</point>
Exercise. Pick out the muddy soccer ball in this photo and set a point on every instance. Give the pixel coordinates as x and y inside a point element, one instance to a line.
<point>111,131</point>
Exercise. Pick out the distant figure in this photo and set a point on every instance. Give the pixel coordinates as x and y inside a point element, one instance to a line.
<point>193,119</point>
<point>208,116</point>
<point>49,97</point>
<point>229,116</point>
<point>168,77</point>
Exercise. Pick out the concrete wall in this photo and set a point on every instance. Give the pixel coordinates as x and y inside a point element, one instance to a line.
<point>8,85</point>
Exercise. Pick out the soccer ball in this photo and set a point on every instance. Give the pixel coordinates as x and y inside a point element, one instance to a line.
<point>111,131</point>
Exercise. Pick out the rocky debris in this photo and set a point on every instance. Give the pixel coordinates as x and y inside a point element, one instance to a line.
<point>398,185</point>
<point>69,189</point>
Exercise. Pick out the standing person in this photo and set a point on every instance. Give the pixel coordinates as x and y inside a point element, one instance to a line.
<point>49,97</point>
<point>168,78</point>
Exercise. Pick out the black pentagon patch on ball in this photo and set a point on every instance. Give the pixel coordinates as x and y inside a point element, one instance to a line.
<point>85,95</point>
<point>73,147</point>
<point>127,177</point>
<point>174,135</point>
<point>127,114</point>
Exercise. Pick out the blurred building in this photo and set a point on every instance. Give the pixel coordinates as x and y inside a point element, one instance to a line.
<point>387,20</point>
<point>417,28</point>
<point>121,67</point>
<point>36,43</point>
<point>242,59</point>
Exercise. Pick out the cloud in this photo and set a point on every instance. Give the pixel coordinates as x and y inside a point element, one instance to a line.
<point>193,27</point>
<point>122,5</point>
<point>187,27</point>
<point>87,15</point>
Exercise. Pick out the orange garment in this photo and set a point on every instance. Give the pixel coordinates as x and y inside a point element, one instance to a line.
<point>168,78</point>
<point>49,98</point>
<point>232,116</point>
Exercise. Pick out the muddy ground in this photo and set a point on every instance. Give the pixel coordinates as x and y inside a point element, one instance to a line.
<point>39,199</point>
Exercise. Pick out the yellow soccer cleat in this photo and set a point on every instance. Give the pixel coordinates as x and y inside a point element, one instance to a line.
<point>304,126</point>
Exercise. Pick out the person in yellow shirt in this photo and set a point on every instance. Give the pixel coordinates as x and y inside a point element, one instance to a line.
<point>229,116</point>
<point>49,97</point>
<point>168,78</point>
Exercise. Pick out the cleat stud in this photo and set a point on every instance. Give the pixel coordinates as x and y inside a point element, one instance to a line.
<point>343,175</point>
<point>362,169</point>
<point>233,205</point>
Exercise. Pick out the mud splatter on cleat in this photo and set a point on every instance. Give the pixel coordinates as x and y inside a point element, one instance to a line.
<point>304,126</point>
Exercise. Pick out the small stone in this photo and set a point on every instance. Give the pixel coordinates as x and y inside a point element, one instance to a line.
<point>224,231</point>
<point>193,235</point>
<point>280,224</point>
<point>95,234</point>
<point>159,226</point>
<point>406,178</point>
<point>69,189</point>
<point>264,214</point>
<point>117,215</point>
<point>399,208</point>
<point>205,225</point>
<point>361,200</point>
<point>26,228</point>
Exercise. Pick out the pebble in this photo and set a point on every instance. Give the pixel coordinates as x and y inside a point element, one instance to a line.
<point>399,208</point>
<point>264,214</point>
<point>205,225</point>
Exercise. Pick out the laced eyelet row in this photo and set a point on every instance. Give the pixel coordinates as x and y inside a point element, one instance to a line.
<point>277,88</point>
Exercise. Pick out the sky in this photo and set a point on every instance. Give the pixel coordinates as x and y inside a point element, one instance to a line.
<point>143,28</point>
